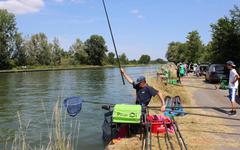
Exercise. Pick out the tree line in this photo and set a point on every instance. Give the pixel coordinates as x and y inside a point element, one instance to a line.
<point>36,50</point>
<point>224,45</point>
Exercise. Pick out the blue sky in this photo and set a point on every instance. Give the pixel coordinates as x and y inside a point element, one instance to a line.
<point>140,26</point>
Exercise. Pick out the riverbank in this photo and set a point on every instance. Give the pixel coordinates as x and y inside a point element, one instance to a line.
<point>69,67</point>
<point>201,129</point>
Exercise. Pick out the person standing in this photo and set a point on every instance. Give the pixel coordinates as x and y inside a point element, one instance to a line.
<point>233,86</point>
<point>144,92</point>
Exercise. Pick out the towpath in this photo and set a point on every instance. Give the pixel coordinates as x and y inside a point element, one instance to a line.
<point>205,94</point>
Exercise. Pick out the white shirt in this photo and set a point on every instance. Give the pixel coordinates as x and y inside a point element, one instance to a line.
<point>232,77</point>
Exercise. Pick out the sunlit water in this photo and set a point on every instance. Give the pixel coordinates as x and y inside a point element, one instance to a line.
<point>34,95</point>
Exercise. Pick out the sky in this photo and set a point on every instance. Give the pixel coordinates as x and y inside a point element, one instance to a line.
<point>139,26</point>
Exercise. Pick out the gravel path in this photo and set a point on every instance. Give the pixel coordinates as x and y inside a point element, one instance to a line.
<point>205,94</point>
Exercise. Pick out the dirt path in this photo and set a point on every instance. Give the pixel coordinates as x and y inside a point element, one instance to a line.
<point>205,94</point>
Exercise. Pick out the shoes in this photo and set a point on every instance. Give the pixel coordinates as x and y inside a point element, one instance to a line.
<point>232,113</point>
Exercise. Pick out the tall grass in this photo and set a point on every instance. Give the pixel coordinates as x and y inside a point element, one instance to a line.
<point>57,138</point>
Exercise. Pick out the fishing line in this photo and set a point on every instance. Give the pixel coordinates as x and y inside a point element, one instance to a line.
<point>192,107</point>
<point>115,48</point>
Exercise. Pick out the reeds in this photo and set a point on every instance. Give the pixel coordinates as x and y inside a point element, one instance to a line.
<point>57,139</point>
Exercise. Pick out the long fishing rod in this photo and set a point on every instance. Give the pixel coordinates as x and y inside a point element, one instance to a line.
<point>193,107</point>
<point>115,48</point>
<point>180,135</point>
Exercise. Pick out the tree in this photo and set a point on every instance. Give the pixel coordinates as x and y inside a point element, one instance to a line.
<point>123,59</point>
<point>144,59</point>
<point>8,33</point>
<point>79,53</point>
<point>20,55</point>
<point>159,61</point>
<point>134,61</point>
<point>56,51</point>
<point>225,44</point>
<point>39,50</point>
<point>194,47</point>
<point>96,49</point>
<point>111,58</point>
<point>177,52</point>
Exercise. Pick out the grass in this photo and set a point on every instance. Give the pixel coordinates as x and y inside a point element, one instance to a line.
<point>57,138</point>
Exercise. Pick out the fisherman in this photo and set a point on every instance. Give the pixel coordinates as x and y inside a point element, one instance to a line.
<point>178,74</point>
<point>144,92</point>
<point>182,70</point>
<point>233,85</point>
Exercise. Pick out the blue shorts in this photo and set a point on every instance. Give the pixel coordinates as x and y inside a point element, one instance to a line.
<point>232,94</point>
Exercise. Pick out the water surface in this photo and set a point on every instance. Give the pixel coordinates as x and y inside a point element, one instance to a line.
<point>34,95</point>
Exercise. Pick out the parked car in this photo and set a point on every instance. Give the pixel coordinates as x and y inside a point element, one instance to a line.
<point>203,69</point>
<point>216,72</point>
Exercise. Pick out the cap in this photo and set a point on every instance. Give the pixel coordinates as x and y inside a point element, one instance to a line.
<point>140,79</point>
<point>230,63</point>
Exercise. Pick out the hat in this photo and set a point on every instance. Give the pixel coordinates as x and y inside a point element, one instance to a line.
<point>230,63</point>
<point>140,79</point>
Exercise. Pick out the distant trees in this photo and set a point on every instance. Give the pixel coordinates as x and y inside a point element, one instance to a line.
<point>144,59</point>
<point>20,54</point>
<point>36,49</point>
<point>56,52</point>
<point>111,58</point>
<point>225,43</point>
<point>123,59</point>
<point>190,51</point>
<point>96,50</point>
<point>8,33</point>
<point>78,52</point>
<point>40,49</point>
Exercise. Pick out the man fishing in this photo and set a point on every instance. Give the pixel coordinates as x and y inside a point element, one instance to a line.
<point>144,92</point>
<point>233,85</point>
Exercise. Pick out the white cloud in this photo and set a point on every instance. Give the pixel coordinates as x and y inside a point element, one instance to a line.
<point>22,6</point>
<point>74,1</point>
<point>137,13</point>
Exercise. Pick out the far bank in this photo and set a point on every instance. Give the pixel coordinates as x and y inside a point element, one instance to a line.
<point>69,67</point>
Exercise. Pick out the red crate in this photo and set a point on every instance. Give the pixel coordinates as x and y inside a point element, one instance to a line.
<point>157,124</point>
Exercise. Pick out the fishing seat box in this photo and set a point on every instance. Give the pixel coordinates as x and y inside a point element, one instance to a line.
<point>124,113</point>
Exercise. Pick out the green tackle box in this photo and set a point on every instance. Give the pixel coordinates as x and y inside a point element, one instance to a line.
<point>224,84</point>
<point>172,81</point>
<point>124,113</point>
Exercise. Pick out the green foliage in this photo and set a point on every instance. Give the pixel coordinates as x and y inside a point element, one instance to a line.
<point>78,51</point>
<point>134,62</point>
<point>56,51</point>
<point>96,49</point>
<point>225,43</point>
<point>177,52</point>
<point>123,59</point>
<point>38,50</point>
<point>20,55</point>
<point>111,58</point>
<point>8,33</point>
<point>194,47</point>
<point>158,61</point>
<point>144,59</point>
